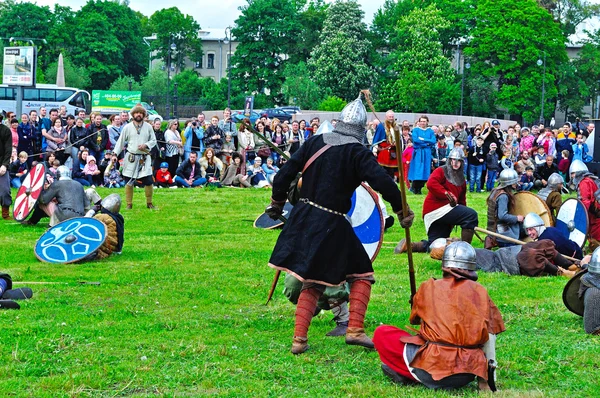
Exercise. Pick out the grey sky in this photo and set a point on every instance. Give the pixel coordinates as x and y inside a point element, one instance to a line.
<point>210,14</point>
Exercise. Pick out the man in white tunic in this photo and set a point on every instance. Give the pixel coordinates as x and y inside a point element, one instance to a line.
<point>137,139</point>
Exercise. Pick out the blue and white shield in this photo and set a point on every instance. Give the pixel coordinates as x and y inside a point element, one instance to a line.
<point>572,220</point>
<point>71,240</point>
<point>367,219</point>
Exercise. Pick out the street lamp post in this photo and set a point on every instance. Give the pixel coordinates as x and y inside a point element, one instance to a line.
<point>540,63</point>
<point>462,86</point>
<point>170,51</point>
<point>229,39</point>
<point>130,83</point>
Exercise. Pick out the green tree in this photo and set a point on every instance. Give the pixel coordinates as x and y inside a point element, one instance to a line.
<point>570,13</point>
<point>122,84</point>
<point>587,74</point>
<point>311,17</point>
<point>299,88</point>
<point>504,47</point>
<point>332,104</point>
<point>341,61</point>
<point>420,78</point>
<point>75,76</point>
<point>173,27</point>
<point>61,36</point>
<point>266,31</point>
<point>125,26</point>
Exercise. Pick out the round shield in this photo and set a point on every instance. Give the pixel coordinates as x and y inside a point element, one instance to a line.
<point>571,294</point>
<point>266,222</point>
<point>572,220</point>
<point>71,240</point>
<point>527,202</point>
<point>30,191</point>
<point>367,219</point>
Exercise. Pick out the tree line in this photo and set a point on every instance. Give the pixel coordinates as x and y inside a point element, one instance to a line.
<point>319,55</point>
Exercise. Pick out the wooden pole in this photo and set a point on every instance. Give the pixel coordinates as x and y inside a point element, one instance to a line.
<point>515,241</point>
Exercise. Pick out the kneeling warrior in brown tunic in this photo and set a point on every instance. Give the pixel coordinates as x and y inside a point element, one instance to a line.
<point>317,244</point>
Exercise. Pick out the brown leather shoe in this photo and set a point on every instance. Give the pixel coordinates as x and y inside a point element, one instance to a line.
<point>5,213</point>
<point>357,336</point>
<point>437,253</point>
<point>129,207</point>
<point>299,345</point>
<point>151,206</point>
<point>401,247</point>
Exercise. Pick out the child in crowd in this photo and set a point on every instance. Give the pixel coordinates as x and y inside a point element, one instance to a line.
<point>91,172</point>
<point>164,178</point>
<point>257,175</point>
<point>493,165</point>
<point>18,169</point>
<point>227,149</point>
<point>458,144</point>
<point>540,157</point>
<point>270,170</point>
<point>506,161</point>
<point>564,164</point>
<point>112,176</point>
<point>476,159</point>
<point>105,161</point>
<point>439,152</point>
<point>526,182</point>
<point>407,156</point>
<point>51,175</point>
<point>581,150</point>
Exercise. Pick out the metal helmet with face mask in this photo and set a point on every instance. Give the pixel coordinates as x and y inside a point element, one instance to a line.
<point>555,180</point>
<point>456,153</point>
<point>459,255</point>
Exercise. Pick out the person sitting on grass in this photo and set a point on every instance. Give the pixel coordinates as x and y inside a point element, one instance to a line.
<point>235,175</point>
<point>51,173</point>
<point>456,343</point>
<point>257,175</point>
<point>112,176</point>
<point>270,170</point>
<point>78,174</point>
<point>227,149</point>
<point>188,172</point>
<point>526,182</point>
<point>18,170</point>
<point>163,177</point>
<point>92,172</point>
<point>211,167</point>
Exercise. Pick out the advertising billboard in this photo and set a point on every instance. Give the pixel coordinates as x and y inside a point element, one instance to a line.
<point>19,66</point>
<point>114,101</point>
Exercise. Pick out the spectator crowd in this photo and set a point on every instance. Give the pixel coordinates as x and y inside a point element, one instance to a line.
<point>220,152</point>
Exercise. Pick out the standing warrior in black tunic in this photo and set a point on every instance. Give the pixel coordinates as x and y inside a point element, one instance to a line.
<point>317,244</point>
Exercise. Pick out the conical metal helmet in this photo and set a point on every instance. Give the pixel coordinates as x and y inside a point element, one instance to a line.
<point>555,180</point>
<point>63,173</point>
<point>507,178</point>
<point>112,203</point>
<point>578,166</point>
<point>594,265</point>
<point>459,255</point>
<point>353,120</point>
<point>456,153</point>
<point>532,220</point>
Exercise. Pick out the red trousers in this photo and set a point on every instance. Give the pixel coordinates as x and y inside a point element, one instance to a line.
<point>391,349</point>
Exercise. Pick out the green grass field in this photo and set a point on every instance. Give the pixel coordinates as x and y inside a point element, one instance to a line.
<point>182,313</point>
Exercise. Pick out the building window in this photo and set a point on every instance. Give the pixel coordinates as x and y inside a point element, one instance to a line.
<point>211,61</point>
<point>199,64</point>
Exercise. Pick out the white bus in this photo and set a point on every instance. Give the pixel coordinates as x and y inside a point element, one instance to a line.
<point>45,95</point>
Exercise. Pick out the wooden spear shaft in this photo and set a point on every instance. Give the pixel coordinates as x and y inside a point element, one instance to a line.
<point>411,267</point>
<point>515,241</point>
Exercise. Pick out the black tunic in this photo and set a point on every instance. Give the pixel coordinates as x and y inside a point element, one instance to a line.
<point>316,245</point>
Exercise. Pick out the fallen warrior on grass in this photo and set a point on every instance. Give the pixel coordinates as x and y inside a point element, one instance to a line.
<point>8,295</point>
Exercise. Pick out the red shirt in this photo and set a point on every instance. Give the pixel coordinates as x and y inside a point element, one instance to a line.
<point>164,176</point>
<point>437,186</point>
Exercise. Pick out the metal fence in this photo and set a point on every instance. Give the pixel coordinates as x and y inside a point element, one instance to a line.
<point>179,107</point>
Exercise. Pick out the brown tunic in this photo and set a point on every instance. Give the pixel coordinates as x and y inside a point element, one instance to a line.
<point>456,317</point>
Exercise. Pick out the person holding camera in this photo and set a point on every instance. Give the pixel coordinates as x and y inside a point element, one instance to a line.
<point>194,135</point>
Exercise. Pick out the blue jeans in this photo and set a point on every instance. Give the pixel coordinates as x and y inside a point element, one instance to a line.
<point>475,177</point>
<point>526,186</point>
<point>195,183</point>
<point>491,179</point>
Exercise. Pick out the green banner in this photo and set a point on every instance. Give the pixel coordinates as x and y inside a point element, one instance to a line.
<point>114,101</point>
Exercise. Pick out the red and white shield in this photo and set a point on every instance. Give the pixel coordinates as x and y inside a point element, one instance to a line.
<point>29,193</point>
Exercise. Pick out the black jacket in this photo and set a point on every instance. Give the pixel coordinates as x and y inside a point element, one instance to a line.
<point>543,172</point>
<point>185,170</point>
<point>78,136</point>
